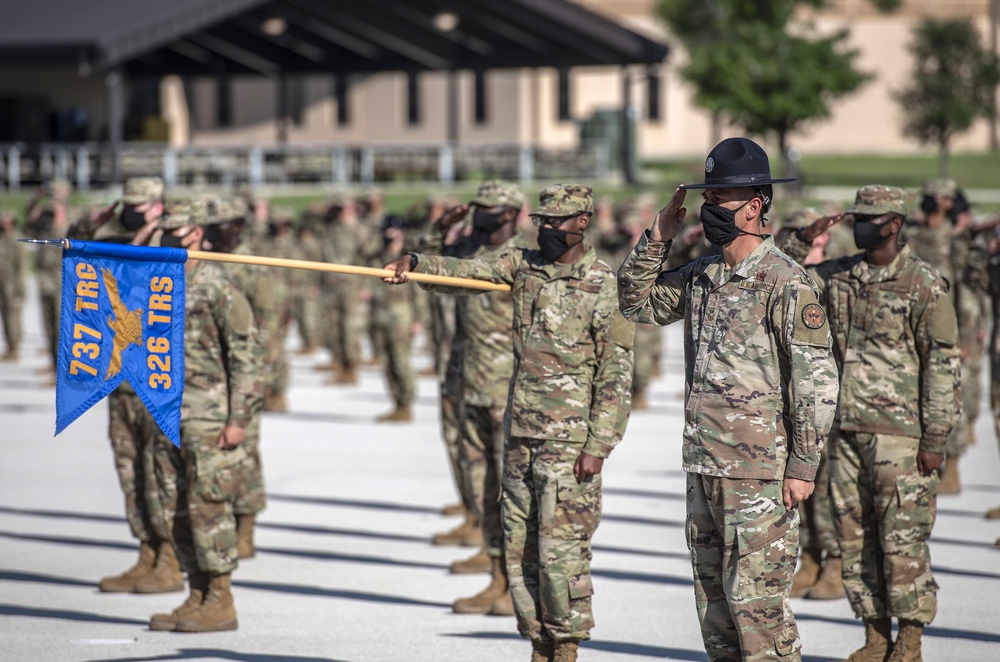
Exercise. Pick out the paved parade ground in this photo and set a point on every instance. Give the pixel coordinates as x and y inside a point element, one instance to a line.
<point>345,569</point>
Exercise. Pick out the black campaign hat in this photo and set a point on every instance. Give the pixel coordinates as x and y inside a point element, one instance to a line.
<point>737,162</point>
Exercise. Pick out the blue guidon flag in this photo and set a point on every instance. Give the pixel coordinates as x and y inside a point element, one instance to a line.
<point>122,319</point>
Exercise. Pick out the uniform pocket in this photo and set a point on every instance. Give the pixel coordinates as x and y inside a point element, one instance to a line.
<point>578,508</point>
<point>910,516</point>
<point>766,550</point>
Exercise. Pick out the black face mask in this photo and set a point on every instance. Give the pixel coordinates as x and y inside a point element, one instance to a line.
<point>720,224</point>
<point>485,222</point>
<point>553,242</point>
<point>868,234</point>
<point>928,205</point>
<point>169,240</point>
<point>133,220</point>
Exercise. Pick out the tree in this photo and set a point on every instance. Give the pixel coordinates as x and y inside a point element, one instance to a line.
<point>954,82</point>
<point>754,64</point>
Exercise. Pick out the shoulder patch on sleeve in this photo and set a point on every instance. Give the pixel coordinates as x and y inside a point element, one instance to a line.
<point>240,318</point>
<point>621,332</point>
<point>942,326</point>
<point>811,325</point>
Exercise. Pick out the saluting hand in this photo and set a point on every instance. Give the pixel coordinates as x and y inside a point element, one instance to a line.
<point>819,226</point>
<point>667,222</point>
<point>453,216</point>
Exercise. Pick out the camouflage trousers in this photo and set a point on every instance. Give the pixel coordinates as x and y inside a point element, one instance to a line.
<point>482,452</point>
<point>131,430</point>
<point>647,348</point>
<point>393,330</point>
<point>11,305</point>
<point>548,520</point>
<point>744,544</point>
<point>196,487</point>
<point>306,313</point>
<point>972,379</point>
<point>817,530</point>
<point>340,326</point>
<point>452,434</point>
<point>885,511</point>
<point>276,375</point>
<point>50,321</point>
<point>249,497</point>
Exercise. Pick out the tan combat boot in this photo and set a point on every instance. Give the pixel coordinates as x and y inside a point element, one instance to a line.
<point>993,513</point>
<point>401,414</point>
<point>639,401</point>
<point>502,606</point>
<point>808,572</point>
<point>275,402</point>
<point>457,509</point>
<point>481,602</point>
<point>907,647</point>
<point>475,564</point>
<point>466,532</point>
<point>565,651</point>
<point>878,641</point>
<point>217,611</point>
<point>830,585</point>
<point>950,482</point>
<point>245,548</point>
<point>347,375</point>
<point>125,582</point>
<point>10,355</point>
<point>166,576</point>
<point>168,622</point>
<point>542,651</point>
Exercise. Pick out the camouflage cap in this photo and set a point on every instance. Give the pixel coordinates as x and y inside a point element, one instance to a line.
<point>800,218</point>
<point>183,212</point>
<point>496,193</point>
<point>564,200</point>
<point>282,216</point>
<point>143,189</point>
<point>940,188</point>
<point>57,189</point>
<point>877,200</point>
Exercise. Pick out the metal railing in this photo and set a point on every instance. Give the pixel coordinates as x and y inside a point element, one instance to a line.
<point>90,165</point>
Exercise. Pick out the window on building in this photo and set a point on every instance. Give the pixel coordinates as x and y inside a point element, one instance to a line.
<point>223,102</point>
<point>654,91</point>
<point>480,97</point>
<point>563,96</point>
<point>340,93</point>
<point>412,99</point>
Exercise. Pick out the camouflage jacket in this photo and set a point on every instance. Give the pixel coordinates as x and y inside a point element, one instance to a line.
<point>259,285</point>
<point>761,382</point>
<point>221,381</point>
<point>48,264</point>
<point>572,373</point>
<point>933,247</point>
<point>484,337</point>
<point>341,244</point>
<point>895,341</point>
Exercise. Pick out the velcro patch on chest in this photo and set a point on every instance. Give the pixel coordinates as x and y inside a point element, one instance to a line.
<point>584,286</point>
<point>756,285</point>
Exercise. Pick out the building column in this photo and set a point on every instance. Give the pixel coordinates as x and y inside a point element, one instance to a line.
<point>113,89</point>
<point>628,157</point>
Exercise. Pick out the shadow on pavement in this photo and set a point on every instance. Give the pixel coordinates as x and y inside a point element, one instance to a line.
<point>65,540</point>
<point>962,543</point>
<point>60,514</point>
<point>632,519</point>
<point>23,408</point>
<point>607,646</point>
<point>353,558</point>
<point>353,503</point>
<point>929,631</point>
<point>647,494</point>
<point>18,576</point>
<point>677,556</point>
<point>65,615</point>
<point>316,591</point>
<point>320,417</point>
<point>964,573</point>
<point>219,654</point>
<point>972,514</point>
<point>642,577</point>
<point>354,533</point>
<point>981,488</point>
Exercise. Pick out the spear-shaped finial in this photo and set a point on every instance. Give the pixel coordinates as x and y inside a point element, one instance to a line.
<point>59,243</point>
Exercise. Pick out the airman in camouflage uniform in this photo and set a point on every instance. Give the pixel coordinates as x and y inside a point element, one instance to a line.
<point>761,391</point>
<point>306,285</point>
<point>932,238</point>
<point>131,428</point>
<point>11,284</point>
<point>287,282</point>
<point>227,232</point>
<point>993,275</point>
<point>47,218</point>
<point>895,336</point>
<point>567,407</point>
<point>484,341</point>
<point>342,240</point>
<point>197,483</point>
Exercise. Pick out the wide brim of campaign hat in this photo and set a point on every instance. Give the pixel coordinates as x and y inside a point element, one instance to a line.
<point>740,183</point>
<point>737,163</point>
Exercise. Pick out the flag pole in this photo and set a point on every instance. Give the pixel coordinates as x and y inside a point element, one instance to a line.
<point>261,261</point>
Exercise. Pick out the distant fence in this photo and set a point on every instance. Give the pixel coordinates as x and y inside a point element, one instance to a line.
<point>91,164</point>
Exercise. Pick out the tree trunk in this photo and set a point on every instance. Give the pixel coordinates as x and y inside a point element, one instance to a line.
<point>944,154</point>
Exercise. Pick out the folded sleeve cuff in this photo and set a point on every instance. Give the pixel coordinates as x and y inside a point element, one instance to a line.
<point>801,469</point>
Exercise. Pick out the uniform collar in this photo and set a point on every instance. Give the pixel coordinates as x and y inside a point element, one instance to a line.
<point>866,274</point>
<point>554,271</point>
